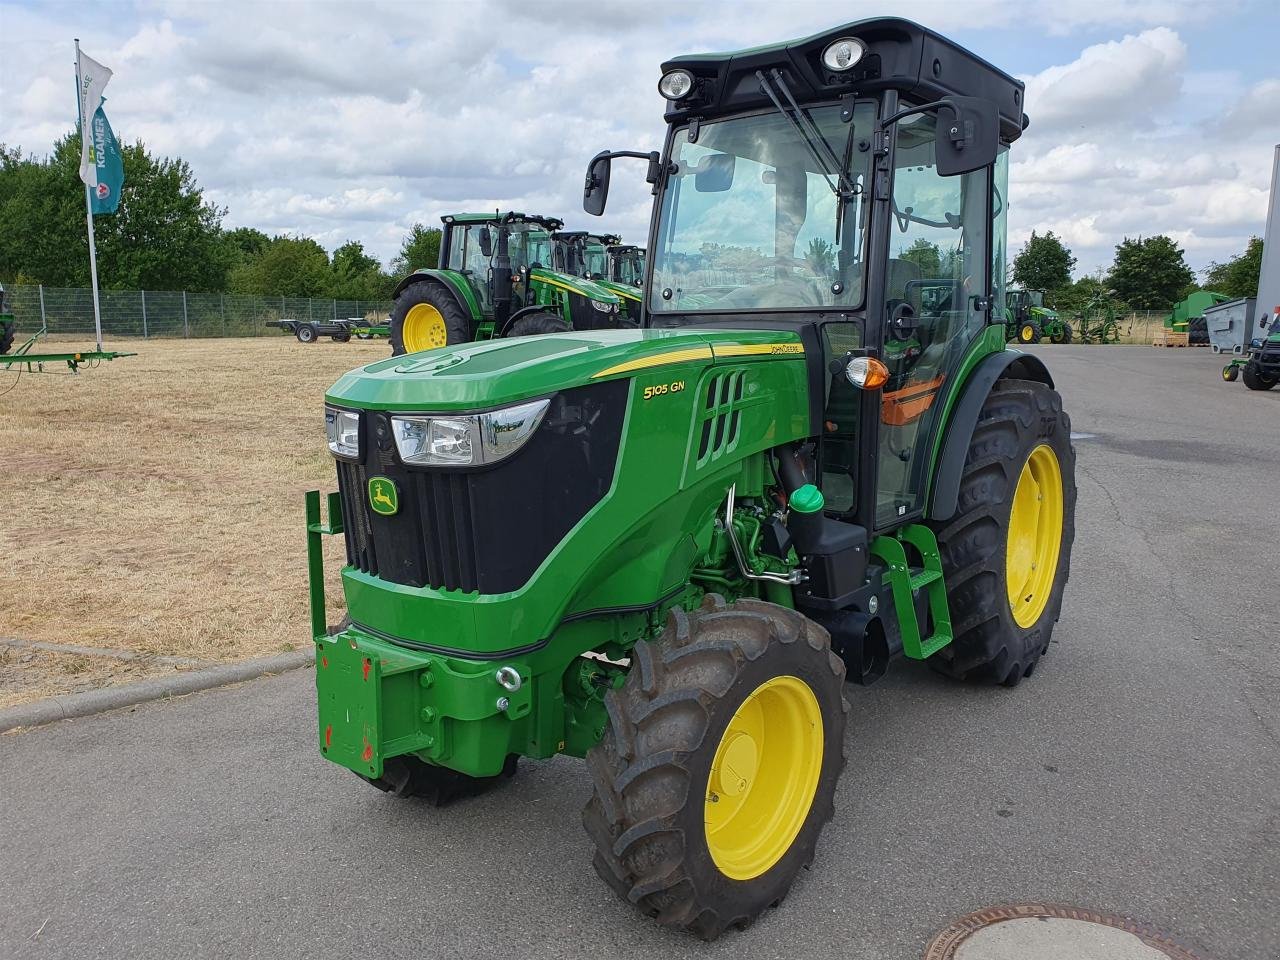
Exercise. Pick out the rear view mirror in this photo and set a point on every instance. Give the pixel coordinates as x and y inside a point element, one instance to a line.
<point>714,173</point>
<point>596,191</point>
<point>968,135</point>
<point>485,241</point>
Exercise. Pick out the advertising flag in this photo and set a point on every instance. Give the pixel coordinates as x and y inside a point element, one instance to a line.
<point>109,166</point>
<point>93,80</point>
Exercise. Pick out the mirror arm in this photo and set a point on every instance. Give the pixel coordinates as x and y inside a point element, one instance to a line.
<point>923,108</point>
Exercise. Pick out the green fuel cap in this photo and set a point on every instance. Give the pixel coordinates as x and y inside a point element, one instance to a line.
<point>807,499</point>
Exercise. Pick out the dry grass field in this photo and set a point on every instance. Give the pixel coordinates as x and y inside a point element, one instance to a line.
<point>154,504</point>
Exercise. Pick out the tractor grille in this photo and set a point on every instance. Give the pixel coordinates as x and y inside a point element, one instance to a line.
<point>485,530</point>
<point>720,414</point>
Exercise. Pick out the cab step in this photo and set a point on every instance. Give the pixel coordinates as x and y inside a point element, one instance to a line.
<point>906,581</point>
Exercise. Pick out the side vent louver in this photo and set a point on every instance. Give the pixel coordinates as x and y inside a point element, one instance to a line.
<point>720,415</point>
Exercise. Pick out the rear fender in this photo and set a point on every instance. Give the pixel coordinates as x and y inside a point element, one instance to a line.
<point>1007,364</point>
<point>452,281</point>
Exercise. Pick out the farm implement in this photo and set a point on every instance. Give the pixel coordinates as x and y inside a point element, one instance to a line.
<point>26,360</point>
<point>669,550</point>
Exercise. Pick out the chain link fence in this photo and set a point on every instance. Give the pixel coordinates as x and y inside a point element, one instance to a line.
<point>170,313</point>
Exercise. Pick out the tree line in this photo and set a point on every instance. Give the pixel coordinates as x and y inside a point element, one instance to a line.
<point>1147,273</point>
<point>167,236</point>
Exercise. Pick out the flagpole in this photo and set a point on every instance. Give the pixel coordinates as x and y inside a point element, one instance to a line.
<point>88,213</point>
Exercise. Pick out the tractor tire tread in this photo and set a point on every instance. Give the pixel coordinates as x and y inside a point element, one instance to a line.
<point>641,769</point>
<point>457,318</point>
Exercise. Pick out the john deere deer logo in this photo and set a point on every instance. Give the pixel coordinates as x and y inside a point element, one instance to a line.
<point>383,496</point>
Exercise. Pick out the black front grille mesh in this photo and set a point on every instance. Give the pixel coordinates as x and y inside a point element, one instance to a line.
<point>484,530</point>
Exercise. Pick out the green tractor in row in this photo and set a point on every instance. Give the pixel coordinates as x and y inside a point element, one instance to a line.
<point>669,550</point>
<point>626,264</point>
<point>586,255</point>
<point>1028,320</point>
<point>495,278</point>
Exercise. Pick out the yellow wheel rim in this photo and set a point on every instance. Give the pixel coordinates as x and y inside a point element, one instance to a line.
<point>1035,536</point>
<point>423,328</point>
<point>1026,334</point>
<point>763,778</point>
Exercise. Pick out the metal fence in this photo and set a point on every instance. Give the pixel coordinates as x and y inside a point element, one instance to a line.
<point>170,313</point>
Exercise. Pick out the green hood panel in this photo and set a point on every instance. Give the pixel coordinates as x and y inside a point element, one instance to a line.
<point>585,288</point>
<point>493,373</point>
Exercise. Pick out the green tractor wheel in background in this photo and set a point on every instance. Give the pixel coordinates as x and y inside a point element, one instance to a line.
<point>1062,333</point>
<point>535,323</point>
<point>1029,332</point>
<point>719,767</point>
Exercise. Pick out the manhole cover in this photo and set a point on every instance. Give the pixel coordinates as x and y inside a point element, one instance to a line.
<point>1048,932</point>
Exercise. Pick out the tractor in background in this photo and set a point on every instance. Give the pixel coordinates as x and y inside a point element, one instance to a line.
<point>1260,365</point>
<point>495,279</point>
<point>1028,320</point>
<point>626,265</point>
<point>670,550</point>
<point>586,255</point>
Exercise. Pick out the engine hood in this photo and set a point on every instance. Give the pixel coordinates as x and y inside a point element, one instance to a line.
<point>494,373</point>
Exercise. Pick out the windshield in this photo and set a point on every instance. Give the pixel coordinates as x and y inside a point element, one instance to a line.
<point>749,218</point>
<point>629,268</point>
<point>596,263</point>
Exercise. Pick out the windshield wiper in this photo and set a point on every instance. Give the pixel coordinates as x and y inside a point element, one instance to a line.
<point>803,124</point>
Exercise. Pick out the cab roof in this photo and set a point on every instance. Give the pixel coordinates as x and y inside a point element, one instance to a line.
<point>511,216</point>
<point>900,55</point>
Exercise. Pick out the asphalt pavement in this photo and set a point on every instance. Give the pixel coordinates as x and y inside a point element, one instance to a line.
<point>1137,772</point>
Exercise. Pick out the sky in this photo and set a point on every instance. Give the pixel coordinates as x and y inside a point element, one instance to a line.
<point>353,121</point>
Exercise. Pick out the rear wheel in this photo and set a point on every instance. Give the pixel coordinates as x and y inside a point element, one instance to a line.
<point>1028,332</point>
<point>1254,378</point>
<point>718,768</point>
<point>1006,554</point>
<point>305,333</point>
<point>426,315</point>
<point>408,776</point>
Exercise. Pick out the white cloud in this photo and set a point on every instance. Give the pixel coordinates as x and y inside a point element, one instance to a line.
<point>352,121</point>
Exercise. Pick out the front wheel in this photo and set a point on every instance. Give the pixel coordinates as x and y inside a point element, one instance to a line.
<point>1029,332</point>
<point>1254,378</point>
<point>305,333</point>
<point>1006,555</point>
<point>719,766</point>
<point>1230,373</point>
<point>540,322</point>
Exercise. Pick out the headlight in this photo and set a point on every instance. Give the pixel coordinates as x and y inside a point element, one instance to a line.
<point>676,84</point>
<point>843,54</point>
<point>461,441</point>
<point>342,427</point>
<point>602,307</point>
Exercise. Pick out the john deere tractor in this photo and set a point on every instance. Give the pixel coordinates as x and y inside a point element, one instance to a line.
<point>671,550</point>
<point>1028,320</point>
<point>584,254</point>
<point>626,264</point>
<point>1260,362</point>
<point>495,279</point>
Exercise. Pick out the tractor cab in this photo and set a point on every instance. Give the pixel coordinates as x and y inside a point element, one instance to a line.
<point>497,276</point>
<point>626,264</point>
<point>585,255</point>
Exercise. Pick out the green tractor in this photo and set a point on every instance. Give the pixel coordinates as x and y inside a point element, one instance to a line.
<point>582,254</point>
<point>8,323</point>
<point>1028,320</point>
<point>669,550</point>
<point>1260,365</point>
<point>626,264</point>
<point>495,279</point>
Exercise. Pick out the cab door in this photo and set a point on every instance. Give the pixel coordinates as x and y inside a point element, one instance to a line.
<point>937,300</point>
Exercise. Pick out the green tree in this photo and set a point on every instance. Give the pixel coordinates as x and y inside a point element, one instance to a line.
<point>356,275</point>
<point>289,267</point>
<point>1045,264</point>
<point>163,236</point>
<point>420,250</point>
<point>1238,277</point>
<point>926,256</point>
<point>1150,273</point>
<point>245,244</point>
<point>821,257</point>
